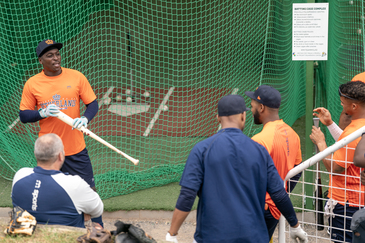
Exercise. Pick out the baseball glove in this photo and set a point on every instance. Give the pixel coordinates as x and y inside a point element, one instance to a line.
<point>128,233</point>
<point>95,234</point>
<point>21,222</point>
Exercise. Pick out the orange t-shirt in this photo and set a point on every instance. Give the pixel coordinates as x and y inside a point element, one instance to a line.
<point>347,187</point>
<point>283,145</point>
<point>65,91</point>
<point>359,77</point>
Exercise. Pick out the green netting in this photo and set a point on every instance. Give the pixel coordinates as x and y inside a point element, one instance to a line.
<point>185,54</point>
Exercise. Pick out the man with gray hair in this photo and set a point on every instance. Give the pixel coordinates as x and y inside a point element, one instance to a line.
<point>51,196</point>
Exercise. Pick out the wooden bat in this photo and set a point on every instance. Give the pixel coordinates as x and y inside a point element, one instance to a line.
<point>68,120</point>
<point>318,193</point>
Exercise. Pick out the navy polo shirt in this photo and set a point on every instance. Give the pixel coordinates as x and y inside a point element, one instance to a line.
<point>231,174</point>
<point>55,198</point>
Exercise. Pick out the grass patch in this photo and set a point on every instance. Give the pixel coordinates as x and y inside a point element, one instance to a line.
<point>43,235</point>
<point>155,198</point>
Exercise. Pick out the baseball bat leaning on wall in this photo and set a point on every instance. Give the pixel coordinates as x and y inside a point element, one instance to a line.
<point>68,120</point>
<point>318,194</point>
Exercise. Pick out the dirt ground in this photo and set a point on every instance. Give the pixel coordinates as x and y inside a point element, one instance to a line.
<point>158,229</point>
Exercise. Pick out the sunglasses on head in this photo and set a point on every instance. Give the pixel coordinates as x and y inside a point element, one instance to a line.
<point>343,95</point>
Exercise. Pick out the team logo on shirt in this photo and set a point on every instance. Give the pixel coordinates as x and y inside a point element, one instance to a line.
<point>62,103</point>
<point>56,97</point>
<point>35,195</point>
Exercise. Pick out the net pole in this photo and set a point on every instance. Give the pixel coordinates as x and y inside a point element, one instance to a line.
<point>130,61</point>
<point>265,45</point>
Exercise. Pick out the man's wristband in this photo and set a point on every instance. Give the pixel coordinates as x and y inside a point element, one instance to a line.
<point>42,113</point>
<point>87,120</point>
<point>362,134</point>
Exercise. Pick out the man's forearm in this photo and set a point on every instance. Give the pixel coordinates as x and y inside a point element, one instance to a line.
<point>327,161</point>
<point>178,219</point>
<point>330,165</point>
<point>29,116</point>
<point>91,110</point>
<point>335,130</point>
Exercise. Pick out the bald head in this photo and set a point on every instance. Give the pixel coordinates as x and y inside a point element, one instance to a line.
<point>47,148</point>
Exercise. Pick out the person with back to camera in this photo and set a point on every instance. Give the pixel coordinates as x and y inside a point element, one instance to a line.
<point>58,88</point>
<point>51,196</point>
<point>280,140</point>
<point>231,175</point>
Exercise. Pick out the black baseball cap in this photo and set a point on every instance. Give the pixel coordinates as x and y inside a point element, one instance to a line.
<point>266,95</point>
<point>358,226</point>
<point>45,45</point>
<point>231,105</point>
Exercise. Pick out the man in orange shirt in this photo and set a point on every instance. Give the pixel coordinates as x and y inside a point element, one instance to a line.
<point>58,88</point>
<point>345,190</point>
<point>279,139</point>
<point>345,119</point>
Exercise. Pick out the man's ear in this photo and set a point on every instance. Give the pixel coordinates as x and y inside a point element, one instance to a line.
<point>262,108</point>
<point>60,156</point>
<point>243,117</point>
<point>218,119</point>
<point>40,60</point>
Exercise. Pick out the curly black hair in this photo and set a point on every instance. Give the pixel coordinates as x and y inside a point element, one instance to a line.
<point>354,90</point>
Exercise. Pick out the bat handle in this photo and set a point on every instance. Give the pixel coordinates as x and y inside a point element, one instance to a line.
<point>316,121</point>
<point>316,124</point>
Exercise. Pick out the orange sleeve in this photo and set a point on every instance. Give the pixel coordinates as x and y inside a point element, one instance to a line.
<point>87,94</point>
<point>298,159</point>
<point>28,101</point>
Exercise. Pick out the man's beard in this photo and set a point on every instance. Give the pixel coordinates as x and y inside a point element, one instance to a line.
<point>256,117</point>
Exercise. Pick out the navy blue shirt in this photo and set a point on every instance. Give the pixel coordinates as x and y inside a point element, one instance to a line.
<point>231,174</point>
<point>55,198</point>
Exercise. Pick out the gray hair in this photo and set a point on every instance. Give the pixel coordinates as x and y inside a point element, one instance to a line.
<point>47,148</point>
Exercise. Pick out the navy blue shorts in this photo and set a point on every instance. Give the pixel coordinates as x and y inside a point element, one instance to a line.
<point>338,235</point>
<point>80,164</point>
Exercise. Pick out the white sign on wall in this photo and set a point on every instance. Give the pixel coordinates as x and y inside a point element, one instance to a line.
<point>310,31</point>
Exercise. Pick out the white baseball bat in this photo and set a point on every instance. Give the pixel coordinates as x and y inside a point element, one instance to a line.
<point>68,120</point>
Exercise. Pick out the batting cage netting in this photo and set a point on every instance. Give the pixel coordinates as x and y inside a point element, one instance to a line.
<point>158,69</point>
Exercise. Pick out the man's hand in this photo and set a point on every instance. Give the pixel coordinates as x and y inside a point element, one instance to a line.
<point>299,233</point>
<point>87,217</point>
<point>79,122</point>
<point>324,115</point>
<point>51,110</point>
<point>171,238</point>
<point>317,137</point>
